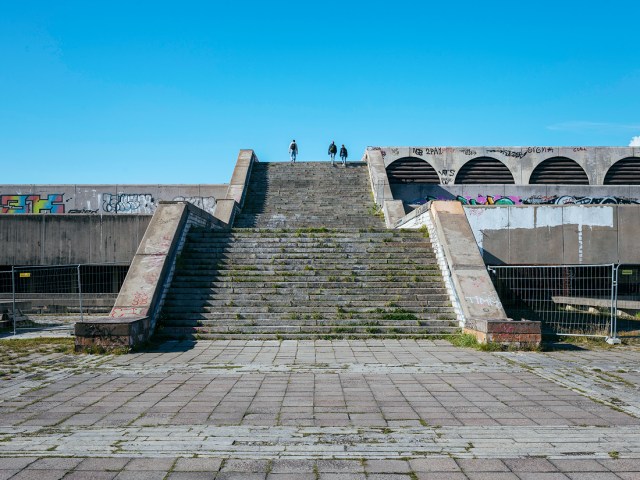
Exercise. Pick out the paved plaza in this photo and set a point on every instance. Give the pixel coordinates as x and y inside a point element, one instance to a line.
<point>376,409</point>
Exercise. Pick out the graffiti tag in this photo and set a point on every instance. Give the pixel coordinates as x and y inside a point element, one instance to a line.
<point>208,204</point>
<point>18,204</point>
<point>128,203</point>
<point>509,153</point>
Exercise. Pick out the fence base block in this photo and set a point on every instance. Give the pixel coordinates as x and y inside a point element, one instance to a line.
<point>521,333</point>
<point>111,333</point>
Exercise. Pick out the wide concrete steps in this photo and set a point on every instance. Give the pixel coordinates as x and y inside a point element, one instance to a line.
<point>308,194</point>
<point>307,283</point>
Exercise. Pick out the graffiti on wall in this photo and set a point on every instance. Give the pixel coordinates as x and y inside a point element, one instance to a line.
<point>532,200</point>
<point>17,204</point>
<point>128,203</point>
<point>208,204</point>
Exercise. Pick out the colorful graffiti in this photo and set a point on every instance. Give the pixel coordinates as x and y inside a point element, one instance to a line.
<point>532,200</point>
<point>18,204</point>
<point>577,200</point>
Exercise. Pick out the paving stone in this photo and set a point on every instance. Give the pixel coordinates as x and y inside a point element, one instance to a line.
<point>28,474</point>
<point>434,464</point>
<point>16,463</point>
<point>191,476</point>
<point>245,465</point>
<point>578,465</point>
<point>339,466</point>
<point>387,466</point>
<point>471,475</point>
<point>55,464</point>
<point>90,474</point>
<point>6,474</point>
<point>197,465</point>
<point>622,464</point>
<point>282,465</point>
<point>103,464</point>
<point>150,464</point>
<point>141,475</point>
<point>482,465</point>
<point>538,465</point>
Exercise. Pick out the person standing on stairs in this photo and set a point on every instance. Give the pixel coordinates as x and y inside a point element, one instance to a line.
<point>332,152</point>
<point>343,154</point>
<point>293,151</point>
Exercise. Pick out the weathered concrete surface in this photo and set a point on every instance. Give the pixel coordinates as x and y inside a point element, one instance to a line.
<point>475,294</point>
<point>110,333</point>
<point>393,212</point>
<point>141,296</point>
<point>240,178</point>
<point>343,409</point>
<point>521,161</point>
<point>378,176</point>
<point>556,235</point>
<point>68,239</point>
<point>104,199</point>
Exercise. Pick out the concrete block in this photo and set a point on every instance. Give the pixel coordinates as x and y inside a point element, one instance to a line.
<point>393,212</point>
<point>111,333</point>
<point>226,210</point>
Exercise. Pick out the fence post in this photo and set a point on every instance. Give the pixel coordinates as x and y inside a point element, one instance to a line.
<point>613,339</point>
<point>13,296</point>
<point>80,295</point>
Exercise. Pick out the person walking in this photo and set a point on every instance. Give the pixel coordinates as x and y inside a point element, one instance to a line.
<point>293,151</point>
<point>343,154</point>
<point>332,152</point>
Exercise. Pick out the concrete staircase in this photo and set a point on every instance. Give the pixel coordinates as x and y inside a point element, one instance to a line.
<point>309,194</point>
<point>313,260</point>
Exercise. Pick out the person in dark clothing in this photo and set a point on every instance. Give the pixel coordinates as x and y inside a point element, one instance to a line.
<point>343,154</point>
<point>332,152</point>
<point>293,151</point>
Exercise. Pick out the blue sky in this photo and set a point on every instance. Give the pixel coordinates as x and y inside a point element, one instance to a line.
<point>160,92</point>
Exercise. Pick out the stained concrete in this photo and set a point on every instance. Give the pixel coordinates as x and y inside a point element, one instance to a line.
<point>321,409</point>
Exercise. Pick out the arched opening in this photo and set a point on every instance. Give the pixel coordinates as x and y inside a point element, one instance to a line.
<point>624,172</point>
<point>484,170</point>
<point>412,170</point>
<point>559,171</point>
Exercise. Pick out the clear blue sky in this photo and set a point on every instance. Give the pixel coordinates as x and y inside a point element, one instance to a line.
<point>159,92</point>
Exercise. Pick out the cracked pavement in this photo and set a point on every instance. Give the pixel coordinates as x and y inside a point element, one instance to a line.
<point>322,409</point>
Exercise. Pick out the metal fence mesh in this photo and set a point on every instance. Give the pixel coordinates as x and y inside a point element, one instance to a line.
<point>55,297</point>
<point>567,300</point>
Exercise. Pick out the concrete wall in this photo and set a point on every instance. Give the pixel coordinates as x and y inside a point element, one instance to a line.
<point>104,199</point>
<point>34,239</point>
<point>556,235</point>
<point>521,161</point>
<point>418,194</point>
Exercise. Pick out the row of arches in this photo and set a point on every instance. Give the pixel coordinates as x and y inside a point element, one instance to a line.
<point>556,170</point>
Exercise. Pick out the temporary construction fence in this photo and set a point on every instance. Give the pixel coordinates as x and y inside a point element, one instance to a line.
<point>576,300</point>
<point>56,296</point>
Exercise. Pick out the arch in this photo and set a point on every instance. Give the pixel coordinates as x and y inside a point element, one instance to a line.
<point>412,170</point>
<point>624,172</point>
<point>484,170</point>
<point>558,171</point>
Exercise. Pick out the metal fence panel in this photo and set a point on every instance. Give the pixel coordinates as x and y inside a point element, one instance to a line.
<point>57,296</point>
<point>627,299</point>
<point>577,300</point>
